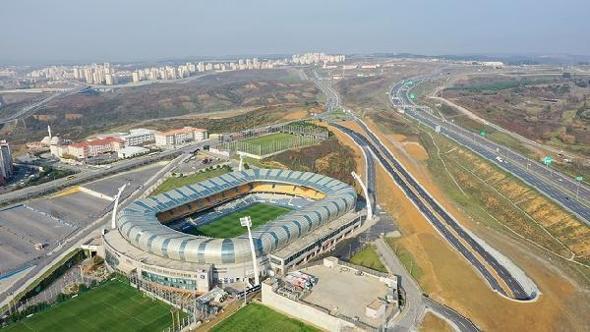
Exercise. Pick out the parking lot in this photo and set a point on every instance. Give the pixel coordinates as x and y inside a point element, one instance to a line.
<point>21,228</point>
<point>136,178</point>
<point>47,221</point>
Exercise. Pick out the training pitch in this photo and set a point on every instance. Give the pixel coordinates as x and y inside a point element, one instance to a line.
<point>112,306</point>
<point>229,226</point>
<point>256,317</point>
<point>271,143</point>
<point>270,139</point>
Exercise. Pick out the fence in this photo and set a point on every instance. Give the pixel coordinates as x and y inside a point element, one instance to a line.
<point>187,311</point>
<point>301,134</point>
<point>42,296</point>
<point>260,149</point>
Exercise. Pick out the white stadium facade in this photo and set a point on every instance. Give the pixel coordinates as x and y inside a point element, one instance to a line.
<point>150,241</point>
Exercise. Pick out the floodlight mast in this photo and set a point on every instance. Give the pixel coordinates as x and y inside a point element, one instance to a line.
<point>366,192</point>
<point>241,165</point>
<point>247,222</point>
<point>114,216</point>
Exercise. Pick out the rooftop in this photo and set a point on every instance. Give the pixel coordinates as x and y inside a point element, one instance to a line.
<point>181,131</point>
<point>342,291</point>
<point>98,141</point>
<point>314,236</point>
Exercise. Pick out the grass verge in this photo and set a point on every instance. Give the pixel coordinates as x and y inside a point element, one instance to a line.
<point>368,258</point>
<point>406,258</point>
<point>257,317</point>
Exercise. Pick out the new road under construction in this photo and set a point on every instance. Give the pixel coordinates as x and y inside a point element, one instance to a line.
<point>501,274</point>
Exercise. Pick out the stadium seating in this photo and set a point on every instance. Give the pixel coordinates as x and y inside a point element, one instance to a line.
<point>315,200</point>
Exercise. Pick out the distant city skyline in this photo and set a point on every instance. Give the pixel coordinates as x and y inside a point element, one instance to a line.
<point>67,31</point>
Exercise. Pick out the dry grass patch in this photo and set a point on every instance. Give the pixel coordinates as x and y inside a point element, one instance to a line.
<point>432,323</point>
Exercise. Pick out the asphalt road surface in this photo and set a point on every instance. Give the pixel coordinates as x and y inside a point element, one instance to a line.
<point>567,192</point>
<point>86,176</point>
<point>428,206</point>
<point>84,233</point>
<point>460,321</point>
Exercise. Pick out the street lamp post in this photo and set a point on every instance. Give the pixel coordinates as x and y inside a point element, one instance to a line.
<point>579,179</point>
<point>241,165</point>
<point>247,222</point>
<point>366,192</point>
<point>116,205</point>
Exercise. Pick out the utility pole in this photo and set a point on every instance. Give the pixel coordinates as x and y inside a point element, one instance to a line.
<point>247,222</point>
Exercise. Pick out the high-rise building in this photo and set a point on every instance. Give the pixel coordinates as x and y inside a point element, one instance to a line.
<point>109,79</point>
<point>6,168</point>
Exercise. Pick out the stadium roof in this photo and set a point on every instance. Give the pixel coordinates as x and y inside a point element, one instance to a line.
<point>140,226</point>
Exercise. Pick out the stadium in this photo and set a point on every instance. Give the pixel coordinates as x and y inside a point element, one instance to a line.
<point>190,238</point>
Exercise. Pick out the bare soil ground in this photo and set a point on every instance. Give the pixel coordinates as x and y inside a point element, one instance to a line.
<point>328,158</point>
<point>432,323</point>
<point>449,278</point>
<point>358,154</point>
<point>445,275</point>
<point>80,115</point>
<point>552,109</point>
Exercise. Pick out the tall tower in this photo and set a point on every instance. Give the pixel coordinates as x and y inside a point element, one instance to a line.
<point>49,132</point>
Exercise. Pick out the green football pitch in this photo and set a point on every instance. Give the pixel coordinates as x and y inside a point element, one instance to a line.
<point>257,317</point>
<point>229,225</point>
<point>112,306</point>
<point>271,143</point>
<point>270,139</point>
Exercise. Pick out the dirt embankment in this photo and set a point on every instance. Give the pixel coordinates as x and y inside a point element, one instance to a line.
<point>449,278</point>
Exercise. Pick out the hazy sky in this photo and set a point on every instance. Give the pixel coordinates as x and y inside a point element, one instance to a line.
<point>111,30</point>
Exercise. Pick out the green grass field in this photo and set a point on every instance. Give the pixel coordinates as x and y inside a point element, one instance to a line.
<point>270,139</point>
<point>369,258</point>
<point>405,257</point>
<point>112,306</point>
<point>271,143</point>
<point>229,225</point>
<point>256,317</point>
<point>175,182</point>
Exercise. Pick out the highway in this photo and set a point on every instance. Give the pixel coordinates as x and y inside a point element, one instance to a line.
<point>81,236</point>
<point>85,176</point>
<point>461,322</point>
<point>30,109</point>
<point>434,213</point>
<point>567,192</point>
<point>415,302</point>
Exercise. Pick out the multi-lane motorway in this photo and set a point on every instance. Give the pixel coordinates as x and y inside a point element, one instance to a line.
<point>439,218</point>
<point>85,176</point>
<point>569,193</point>
<point>415,302</point>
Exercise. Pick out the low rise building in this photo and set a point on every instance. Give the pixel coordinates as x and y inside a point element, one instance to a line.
<point>139,136</point>
<point>180,136</point>
<point>131,151</point>
<point>93,148</point>
<point>335,296</point>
